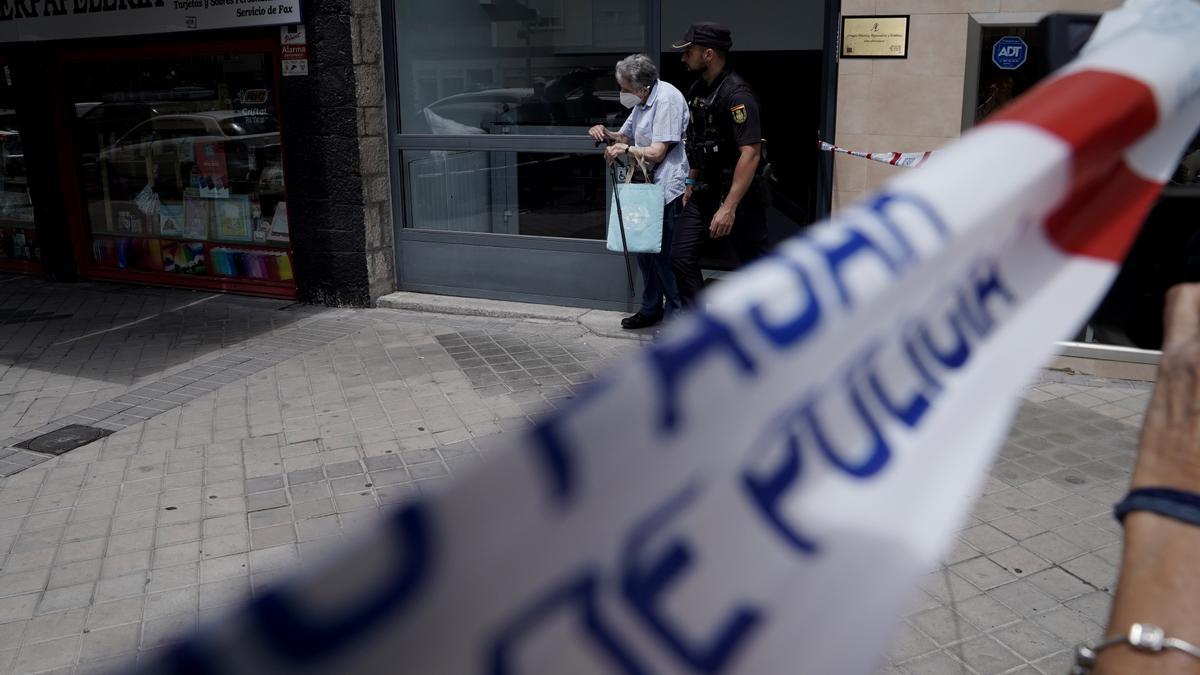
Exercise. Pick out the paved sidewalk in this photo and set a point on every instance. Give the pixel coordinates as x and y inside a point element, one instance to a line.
<point>110,551</point>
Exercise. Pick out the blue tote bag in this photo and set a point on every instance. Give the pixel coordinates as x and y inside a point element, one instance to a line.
<point>641,209</point>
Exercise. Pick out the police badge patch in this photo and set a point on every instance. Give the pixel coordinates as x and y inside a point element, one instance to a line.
<point>739,113</point>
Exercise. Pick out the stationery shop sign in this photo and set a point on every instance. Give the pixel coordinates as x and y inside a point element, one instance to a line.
<point>29,20</point>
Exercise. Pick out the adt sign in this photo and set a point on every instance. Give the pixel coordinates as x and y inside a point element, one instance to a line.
<point>1010,52</point>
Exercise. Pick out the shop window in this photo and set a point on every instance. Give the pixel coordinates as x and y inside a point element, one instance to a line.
<point>181,168</point>
<point>19,247</point>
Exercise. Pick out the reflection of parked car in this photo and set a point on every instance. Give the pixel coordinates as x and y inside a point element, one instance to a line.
<point>578,99</point>
<point>270,181</point>
<point>481,109</point>
<point>248,142</point>
<point>100,125</point>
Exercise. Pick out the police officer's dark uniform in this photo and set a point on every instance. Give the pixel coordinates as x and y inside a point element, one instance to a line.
<point>724,117</point>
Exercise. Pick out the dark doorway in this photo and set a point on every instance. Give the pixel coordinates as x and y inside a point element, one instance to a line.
<point>788,84</point>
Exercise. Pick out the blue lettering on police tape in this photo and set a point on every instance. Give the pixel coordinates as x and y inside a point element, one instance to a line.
<point>956,355</point>
<point>643,584</point>
<point>786,333</point>
<point>673,362</point>
<point>918,402</point>
<point>883,207</point>
<point>579,594</point>
<point>988,289</point>
<point>889,248</point>
<point>856,243</point>
<point>547,441</point>
<point>766,493</point>
<point>861,384</point>
<point>299,633</point>
<point>879,451</point>
<point>864,393</point>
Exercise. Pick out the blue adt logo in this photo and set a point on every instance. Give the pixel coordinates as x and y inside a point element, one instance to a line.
<point>1010,52</point>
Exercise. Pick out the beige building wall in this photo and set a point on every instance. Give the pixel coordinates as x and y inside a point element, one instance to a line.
<point>914,104</point>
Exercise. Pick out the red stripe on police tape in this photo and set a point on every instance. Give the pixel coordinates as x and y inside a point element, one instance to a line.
<point>1099,114</point>
<point>1102,219</point>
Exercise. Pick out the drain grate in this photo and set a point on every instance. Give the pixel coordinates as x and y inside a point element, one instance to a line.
<point>65,439</point>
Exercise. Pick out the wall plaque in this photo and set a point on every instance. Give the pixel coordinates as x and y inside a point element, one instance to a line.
<point>874,37</point>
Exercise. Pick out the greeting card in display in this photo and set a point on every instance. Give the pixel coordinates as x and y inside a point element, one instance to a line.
<point>279,224</point>
<point>262,226</point>
<point>232,219</point>
<point>210,162</point>
<point>129,221</point>
<point>197,212</point>
<point>170,219</point>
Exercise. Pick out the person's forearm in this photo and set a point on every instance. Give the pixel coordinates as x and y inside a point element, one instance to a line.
<point>1158,585</point>
<point>618,137</point>
<point>743,175</point>
<point>654,153</point>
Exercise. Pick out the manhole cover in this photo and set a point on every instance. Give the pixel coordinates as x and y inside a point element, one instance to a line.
<point>65,439</point>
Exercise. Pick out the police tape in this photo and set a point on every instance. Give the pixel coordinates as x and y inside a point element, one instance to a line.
<point>909,159</point>
<point>758,491</point>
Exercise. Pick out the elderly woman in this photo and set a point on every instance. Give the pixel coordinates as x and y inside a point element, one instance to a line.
<point>654,132</point>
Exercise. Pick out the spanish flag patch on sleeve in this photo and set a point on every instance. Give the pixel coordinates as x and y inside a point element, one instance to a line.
<point>739,113</point>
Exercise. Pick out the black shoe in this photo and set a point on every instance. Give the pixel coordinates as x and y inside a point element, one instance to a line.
<point>640,320</point>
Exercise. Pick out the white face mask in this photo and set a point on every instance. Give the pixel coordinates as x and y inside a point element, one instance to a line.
<point>629,100</point>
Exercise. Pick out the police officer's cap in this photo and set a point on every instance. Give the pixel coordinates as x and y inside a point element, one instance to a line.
<point>706,34</point>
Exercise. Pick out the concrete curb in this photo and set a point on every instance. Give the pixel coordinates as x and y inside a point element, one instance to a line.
<point>598,322</point>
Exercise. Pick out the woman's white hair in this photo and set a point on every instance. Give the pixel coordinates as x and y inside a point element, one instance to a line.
<point>638,70</point>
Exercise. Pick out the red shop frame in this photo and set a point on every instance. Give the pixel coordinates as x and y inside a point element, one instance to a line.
<point>81,235</point>
<point>10,264</point>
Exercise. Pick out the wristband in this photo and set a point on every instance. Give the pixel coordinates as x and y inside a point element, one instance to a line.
<point>1143,637</point>
<point>1174,504</point>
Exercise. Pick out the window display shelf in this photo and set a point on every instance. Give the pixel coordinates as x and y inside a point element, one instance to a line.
<point>183,191</point>
<point>279,246</point>
<point>130,235</point>
<point>13,265</point>
<point>189,260</point>
<point>276,289</point>
<point>274,246</point>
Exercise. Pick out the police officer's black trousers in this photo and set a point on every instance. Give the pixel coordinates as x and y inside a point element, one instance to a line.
<point>749,237</point>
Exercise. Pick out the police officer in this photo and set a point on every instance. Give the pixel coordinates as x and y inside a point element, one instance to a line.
<point>723,195</point>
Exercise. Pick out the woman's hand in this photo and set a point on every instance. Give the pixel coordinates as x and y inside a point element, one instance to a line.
<point>615,150</point>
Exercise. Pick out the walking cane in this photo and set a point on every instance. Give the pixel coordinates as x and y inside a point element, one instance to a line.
<point>612,171</point>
